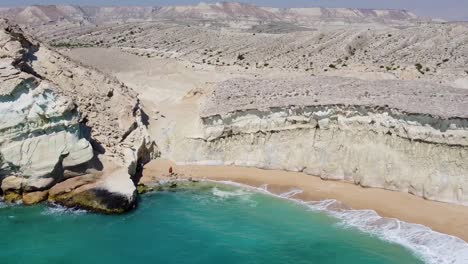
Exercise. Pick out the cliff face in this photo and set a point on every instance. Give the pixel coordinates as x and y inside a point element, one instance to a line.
<point>40,132</point>
<point>420,149</point>
<point>60,120</point>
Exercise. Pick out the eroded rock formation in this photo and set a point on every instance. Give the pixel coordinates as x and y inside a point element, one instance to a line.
<point>402,136</point>
<point>60,120</point>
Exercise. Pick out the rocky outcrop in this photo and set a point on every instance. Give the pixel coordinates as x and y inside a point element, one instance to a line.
<point>35,197</point>
<point>59,120</point>
<point>40,132</point>
<point>112,193</point>
<point>396,136</point>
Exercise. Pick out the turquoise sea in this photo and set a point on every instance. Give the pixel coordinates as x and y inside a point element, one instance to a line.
<point>203,223</point>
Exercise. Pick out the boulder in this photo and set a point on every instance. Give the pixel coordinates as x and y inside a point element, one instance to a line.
<point>12,188</point>
<point>109,193</point>
<point>35,197</point>
<point>12,184</point>
<point>142,188</point>
<point>38,184</point>
<point>11,197</point>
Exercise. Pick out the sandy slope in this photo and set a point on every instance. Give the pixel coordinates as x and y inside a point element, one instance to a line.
<point>162,85</point>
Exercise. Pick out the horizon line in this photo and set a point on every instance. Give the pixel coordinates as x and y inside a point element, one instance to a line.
<point>195,4</point>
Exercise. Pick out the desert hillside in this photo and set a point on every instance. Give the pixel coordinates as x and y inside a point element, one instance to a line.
<point>365,106</point>
<point>216,12</point>
<point>221,79</point>
<point>373,97</point>
<point>244,38</point>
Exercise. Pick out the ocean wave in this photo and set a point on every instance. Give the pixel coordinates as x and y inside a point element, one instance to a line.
<point>239,194</point>
<point>290,193</point>
<point>5,205</point>
<point>431,246</point>
<point>228,194</point>
<point>56,209</point>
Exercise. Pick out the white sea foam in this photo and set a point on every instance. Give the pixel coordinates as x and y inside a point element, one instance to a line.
<point>290,193</point>
<point>239,194</point>
<point>433,247</point>
<point>56,209</point>
<point>228,194</point>
<point>5,205</point>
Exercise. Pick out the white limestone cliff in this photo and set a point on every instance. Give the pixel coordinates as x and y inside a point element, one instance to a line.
<point>395,144</point>
<point>40,133</point>
<point>60,120</point>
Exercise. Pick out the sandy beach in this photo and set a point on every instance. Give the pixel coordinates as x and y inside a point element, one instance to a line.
<point>164,84</point>
<point>441,217</point>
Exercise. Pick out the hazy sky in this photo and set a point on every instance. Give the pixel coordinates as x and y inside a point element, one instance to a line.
<point>448,9</point>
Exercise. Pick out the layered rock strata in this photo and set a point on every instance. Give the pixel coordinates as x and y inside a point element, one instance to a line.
<point>60,120</point>
<point>402,136</point>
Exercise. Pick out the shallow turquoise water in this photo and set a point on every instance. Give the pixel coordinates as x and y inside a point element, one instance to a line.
<point>203,224</point>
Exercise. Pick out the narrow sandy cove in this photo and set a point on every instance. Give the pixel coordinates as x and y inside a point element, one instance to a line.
<point>442,217</point>
<point>163,82</point>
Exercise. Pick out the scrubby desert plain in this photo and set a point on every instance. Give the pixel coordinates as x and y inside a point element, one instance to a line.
<point>366,107</point>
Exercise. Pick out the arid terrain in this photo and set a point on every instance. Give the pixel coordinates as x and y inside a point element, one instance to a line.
<point>218,91</point>
<point>375,98</point>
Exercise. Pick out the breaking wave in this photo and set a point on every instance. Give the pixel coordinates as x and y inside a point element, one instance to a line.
<point>228,194</point>
<point>55,209</point>
<point>240,194</point>
<point>431,246</point>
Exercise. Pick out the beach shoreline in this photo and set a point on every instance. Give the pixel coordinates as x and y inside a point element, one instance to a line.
<point>441,217</point>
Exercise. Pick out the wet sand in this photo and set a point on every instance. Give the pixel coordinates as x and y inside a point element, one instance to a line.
<point>442,217</point>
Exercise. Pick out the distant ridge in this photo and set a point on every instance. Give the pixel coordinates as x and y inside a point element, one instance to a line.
<point>223,11</point>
